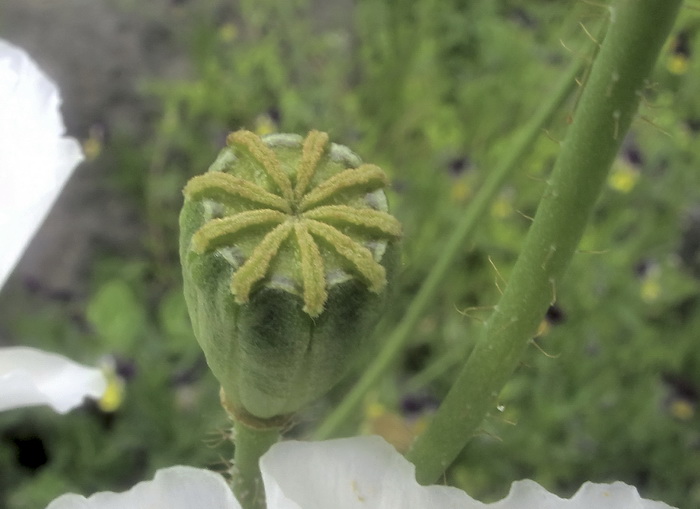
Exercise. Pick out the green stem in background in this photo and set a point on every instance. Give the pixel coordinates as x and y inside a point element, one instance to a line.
<point>397,340</point>
<point>251,444</point>
<point>637,31</point>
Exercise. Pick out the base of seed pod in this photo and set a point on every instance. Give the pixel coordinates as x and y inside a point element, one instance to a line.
<point>237,414</point>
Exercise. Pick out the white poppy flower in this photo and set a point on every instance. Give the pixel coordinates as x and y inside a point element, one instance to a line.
<point>366,472</point>
<point>35,162</point>
<point>351,473</point>
<point>35,158</point>
<point>172,488</point>
<point>31,377</point>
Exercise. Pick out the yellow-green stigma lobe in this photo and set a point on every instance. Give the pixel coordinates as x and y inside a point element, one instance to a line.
<point>296,213</point>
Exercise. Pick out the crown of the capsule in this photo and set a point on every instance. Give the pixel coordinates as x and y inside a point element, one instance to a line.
<point>297,214</point>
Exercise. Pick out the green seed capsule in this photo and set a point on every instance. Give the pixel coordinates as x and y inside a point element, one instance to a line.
<point>286,248</point>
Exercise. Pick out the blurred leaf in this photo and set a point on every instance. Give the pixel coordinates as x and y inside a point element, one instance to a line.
<point>117,316</point>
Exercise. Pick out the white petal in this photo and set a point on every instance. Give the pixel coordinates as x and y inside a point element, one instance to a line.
<point>530,495</point>
<point>171,488</point>
<point>35,158</point>
<point>617,495</point>
<point>360,472</point>
<point>366,472</point>
<point>32,377</point>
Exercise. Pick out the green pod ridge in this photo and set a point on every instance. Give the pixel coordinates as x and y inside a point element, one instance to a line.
<point>286,247</point>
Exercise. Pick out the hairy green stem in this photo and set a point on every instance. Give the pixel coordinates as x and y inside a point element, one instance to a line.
<point>610,98</point>
<point>251,444</point>
<point>396,341</point>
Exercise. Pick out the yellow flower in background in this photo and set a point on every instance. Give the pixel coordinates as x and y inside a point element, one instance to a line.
<point>651,285</point>
<point>264,125</point>
<point>651,289</point>
<point>677,64</point>
<point>461,191</point>
<point>623,177</point>
<point>502,206</point>
<point>92,146</point>
<point>396,429</point>
<point>113,396</point>
<point>388,425</point>
<point>228,32</point>
<point>678,60</point>
<point>682,409</point>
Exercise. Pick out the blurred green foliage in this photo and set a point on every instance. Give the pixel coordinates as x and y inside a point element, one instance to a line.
<point>432,91</point>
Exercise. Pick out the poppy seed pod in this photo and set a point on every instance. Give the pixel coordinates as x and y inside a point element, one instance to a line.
<point>286,248</point>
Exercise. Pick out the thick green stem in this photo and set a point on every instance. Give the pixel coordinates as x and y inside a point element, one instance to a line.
<point>637,31</point>
<point>396,341</point>
<point>251,444</point>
